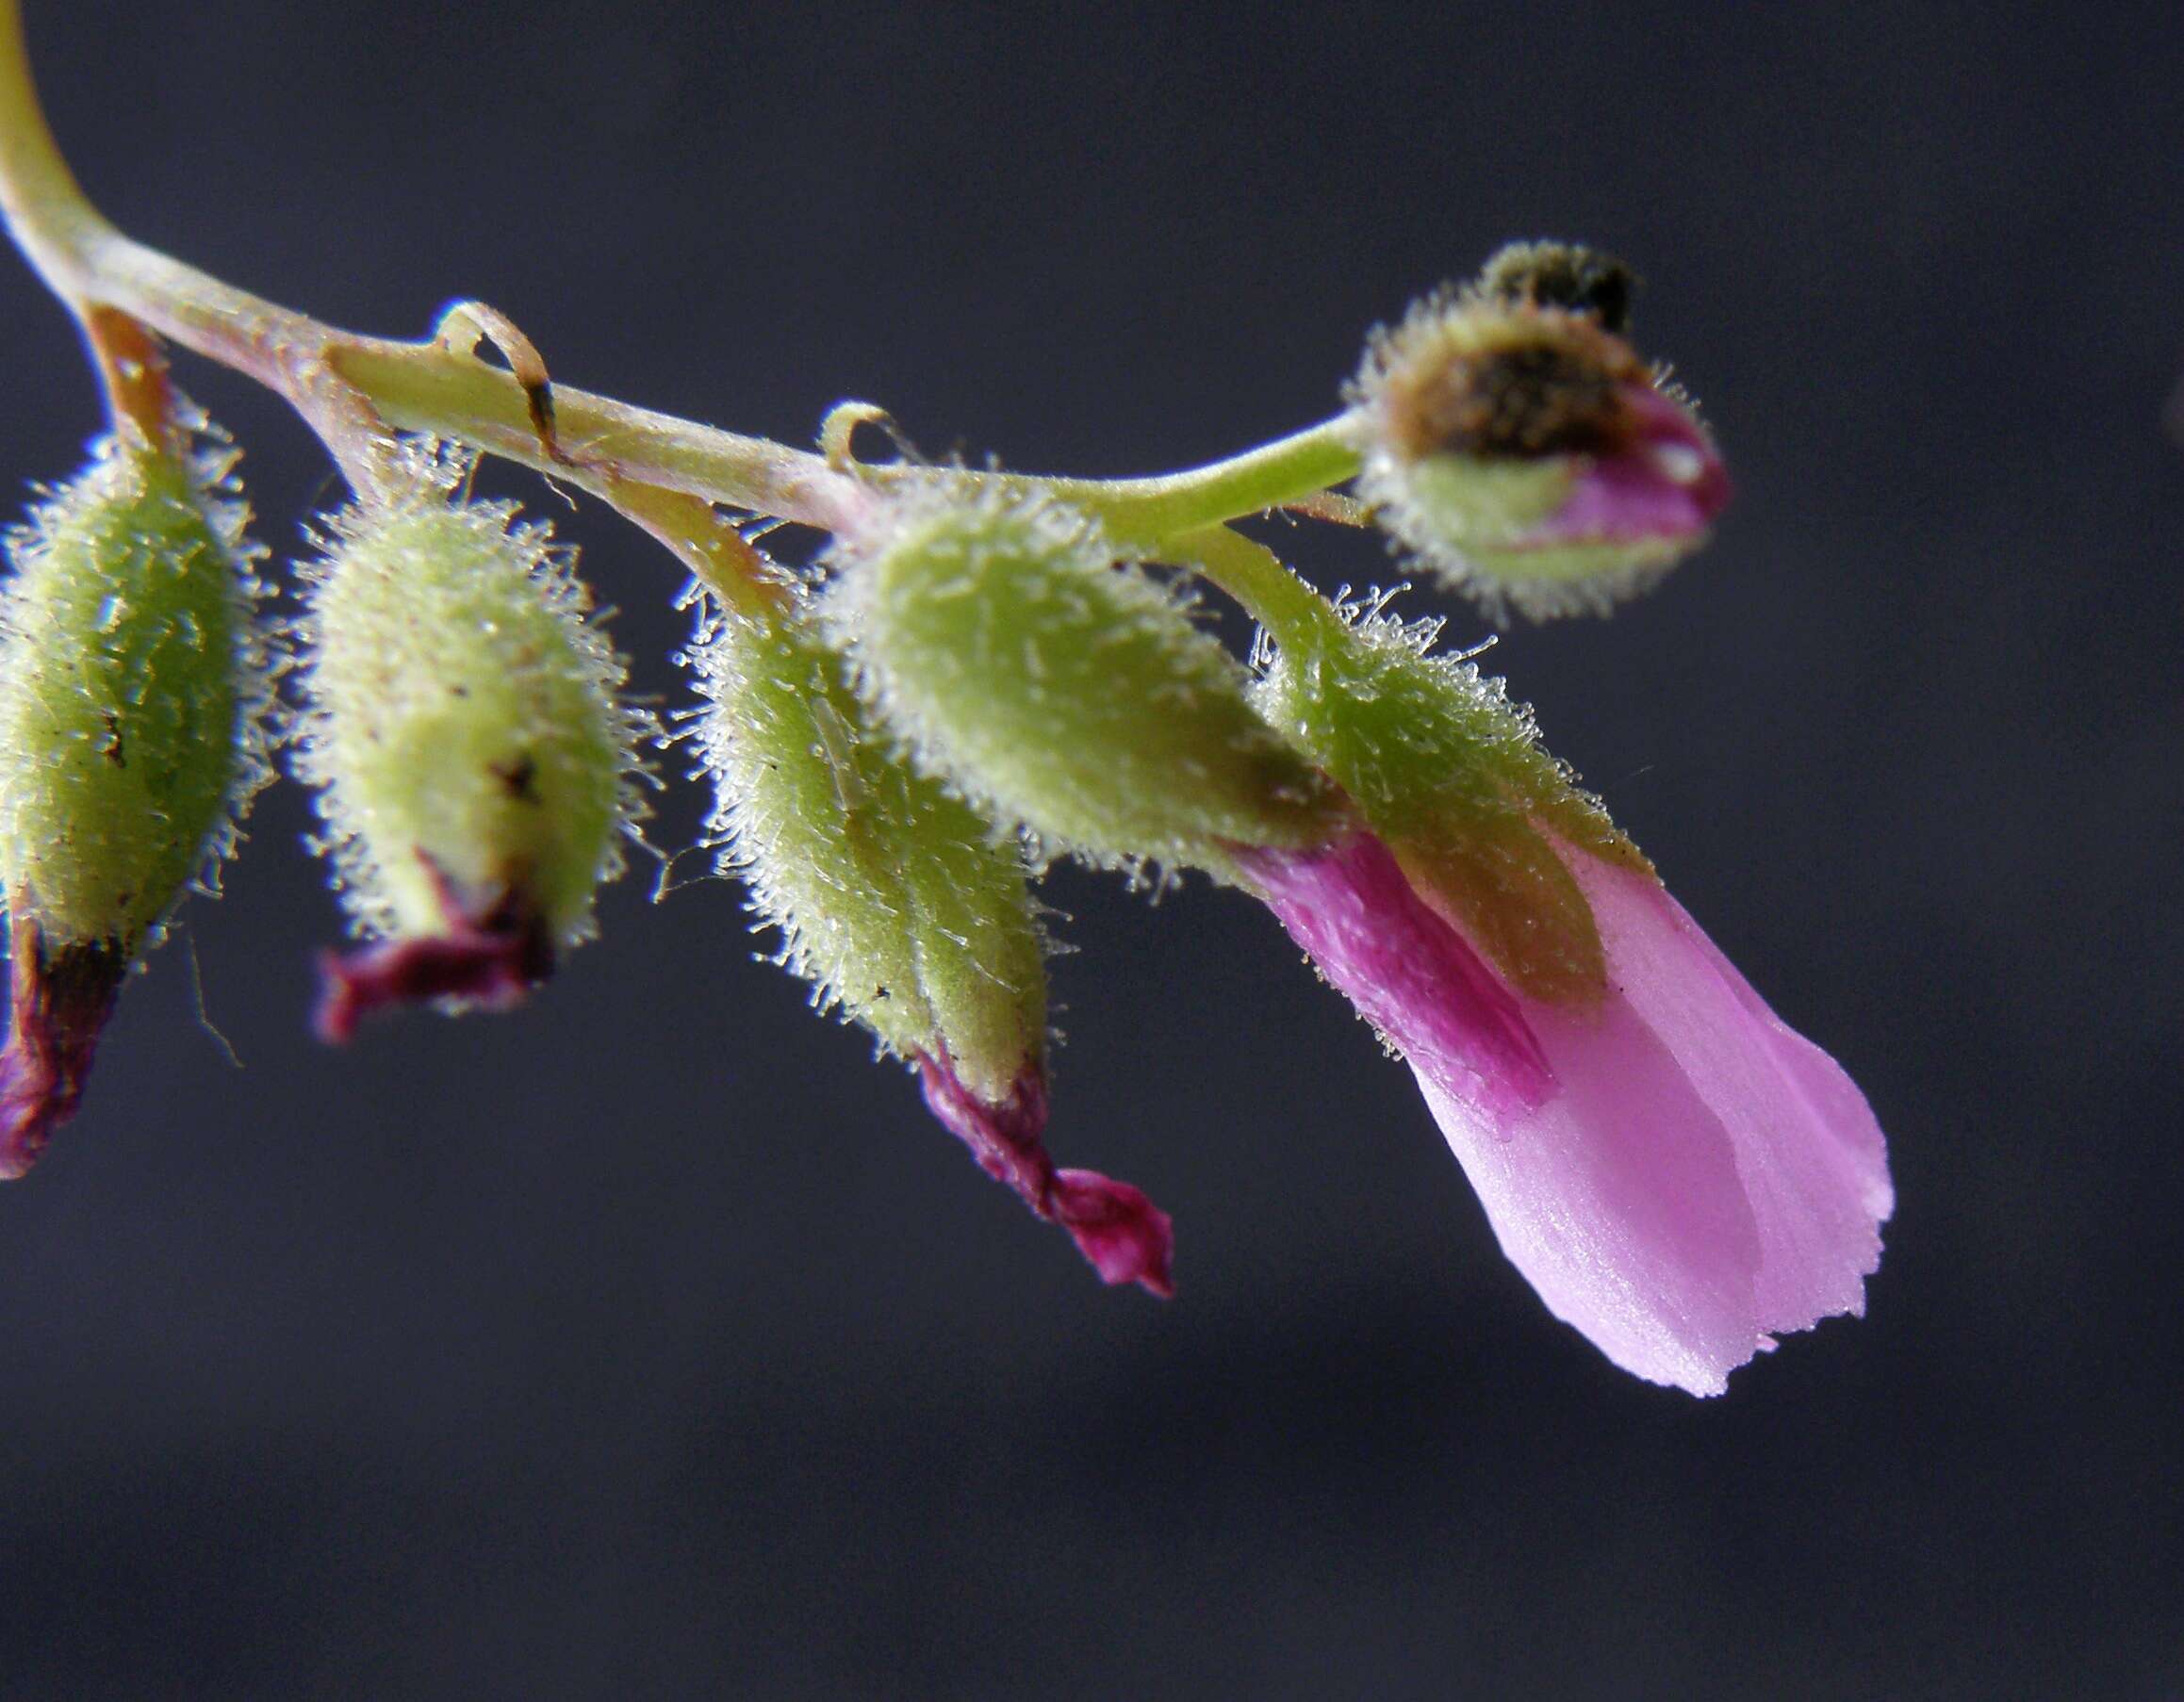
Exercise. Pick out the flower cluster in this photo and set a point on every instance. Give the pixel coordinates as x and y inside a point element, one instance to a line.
<point>979,674</point>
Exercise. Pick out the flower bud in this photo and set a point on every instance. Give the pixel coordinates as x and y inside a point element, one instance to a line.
<point>1451,775</point>
<point>1062,690</point>
<point>897,902</point>
<point>132,681</point>
<point>1521,448</point>
<point>891,895</point>
<point>476,771</point>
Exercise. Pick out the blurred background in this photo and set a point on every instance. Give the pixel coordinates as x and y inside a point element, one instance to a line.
<point>653,1342</point>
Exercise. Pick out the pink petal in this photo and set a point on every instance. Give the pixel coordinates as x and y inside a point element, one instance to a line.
<point>1409,973</point>
<point>58,1004</point>
<point>487,956</point>
<point>1670,482</point>
<point>1678,1175</point>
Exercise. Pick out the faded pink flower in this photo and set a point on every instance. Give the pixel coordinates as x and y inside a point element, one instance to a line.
<point>486,956</point>
<point>1678,1174</point>
<point>60,998</point>
<point>1127,1239</point>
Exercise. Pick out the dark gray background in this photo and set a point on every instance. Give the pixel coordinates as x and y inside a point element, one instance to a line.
<point>652,1342</point>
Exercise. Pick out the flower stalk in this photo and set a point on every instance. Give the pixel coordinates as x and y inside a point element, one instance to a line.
<point>352,388</point>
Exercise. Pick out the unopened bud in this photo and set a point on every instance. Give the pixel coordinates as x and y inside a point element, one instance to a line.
<point>476,770</point>
<point>901,906</point>
<point>891,896</point>
<point>1522,449</point>
<point>132,681</point>
<point>1065,691</point>
<point>1451,775</point>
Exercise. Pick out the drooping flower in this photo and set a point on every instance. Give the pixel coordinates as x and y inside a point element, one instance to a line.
<point>1513,440</point>
<point>1680,1175</point>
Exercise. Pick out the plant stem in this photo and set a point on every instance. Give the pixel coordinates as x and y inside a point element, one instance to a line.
<point>1293,614</point>
<point>352,388</point>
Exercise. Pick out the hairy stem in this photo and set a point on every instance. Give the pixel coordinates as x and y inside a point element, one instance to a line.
<point>353,387</point>
<point>1271,592</point>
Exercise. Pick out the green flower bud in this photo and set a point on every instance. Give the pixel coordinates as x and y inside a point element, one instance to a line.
<point>1063,691</point>
<point>476,771</point>
<point>901,906</point>
<point>1519,446</point>
<point>132,685</point>
<point>891,896</point>
<point>1451,775</point>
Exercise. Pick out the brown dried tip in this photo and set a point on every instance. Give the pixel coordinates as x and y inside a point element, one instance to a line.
<point>59,1005</point>
<point>487,956</point>
<point>1563,274</point>
<point>1527,388</point>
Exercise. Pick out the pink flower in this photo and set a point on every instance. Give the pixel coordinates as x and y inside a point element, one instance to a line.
<point>1678,1174</point>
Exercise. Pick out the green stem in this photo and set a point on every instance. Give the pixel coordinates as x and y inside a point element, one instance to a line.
<point>1146,514</point>
<point>350,388</point>
<point>1294,615</point>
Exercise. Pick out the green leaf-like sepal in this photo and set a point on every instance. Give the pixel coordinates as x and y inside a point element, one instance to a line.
<point>132,683</point>
<point>1452,775</point>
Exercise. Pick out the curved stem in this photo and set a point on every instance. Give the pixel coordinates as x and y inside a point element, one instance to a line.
<point>352,388</point>
<point>1293,614</point>
<point>44,205</point>
<point>1145,513</point>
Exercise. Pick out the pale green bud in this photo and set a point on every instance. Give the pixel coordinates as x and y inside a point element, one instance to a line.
<point>130,690</point>
<point>132,686</point>
<point>1516,443</point>
<point>1062,690</point>
<point>891,896</point>
<point>475,767</point>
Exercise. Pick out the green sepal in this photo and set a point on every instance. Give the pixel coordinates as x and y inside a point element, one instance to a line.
<point>463,724</point>
<point>1451,774</point>
<point>1476,506</point>
<point>894,897</point>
